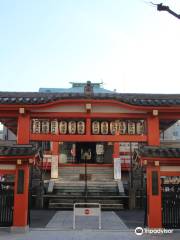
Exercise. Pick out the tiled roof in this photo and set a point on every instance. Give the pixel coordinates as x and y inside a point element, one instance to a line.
<point>161,152</point>
<point>18,150</point>
<point>136,99</point>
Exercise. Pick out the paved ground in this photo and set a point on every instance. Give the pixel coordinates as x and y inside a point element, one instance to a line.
<point>83,235</point>
<point>115,226</point>
<point>63,220</point>
<point>132,219</point>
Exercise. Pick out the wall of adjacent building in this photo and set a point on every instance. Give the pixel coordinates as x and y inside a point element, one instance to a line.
<point>172,133</point>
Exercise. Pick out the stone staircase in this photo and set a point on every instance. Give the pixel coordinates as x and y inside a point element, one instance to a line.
<point>101,188</point>
<point>72,173</point>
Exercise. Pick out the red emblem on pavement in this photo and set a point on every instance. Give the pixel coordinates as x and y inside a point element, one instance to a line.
<point>87,211</point>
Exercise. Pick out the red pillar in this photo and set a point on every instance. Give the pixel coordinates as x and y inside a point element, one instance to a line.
<point>153,131</point>
<point>88,126</point>
<point>154,213</point>
<point>23,129</point>
<point>116,150</point>
<point>55,148</point>
<point>20,218</point>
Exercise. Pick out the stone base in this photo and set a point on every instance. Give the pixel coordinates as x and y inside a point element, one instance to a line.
<point>16,229</point>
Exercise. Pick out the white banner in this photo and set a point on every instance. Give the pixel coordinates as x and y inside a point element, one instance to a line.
<point>117,168</point>
<point>54,166</point>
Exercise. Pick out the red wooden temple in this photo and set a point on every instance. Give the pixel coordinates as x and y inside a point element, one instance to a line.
<point>98,127</point>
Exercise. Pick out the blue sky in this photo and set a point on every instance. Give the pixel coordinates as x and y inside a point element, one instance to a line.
<point>126,44</point>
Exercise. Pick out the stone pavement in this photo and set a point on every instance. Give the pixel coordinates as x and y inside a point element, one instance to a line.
<point>60,228</point>
<point>63,220</point>
<point>44,234</point>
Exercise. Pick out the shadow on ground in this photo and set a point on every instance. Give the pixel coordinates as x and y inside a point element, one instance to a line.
<point>132,218</point>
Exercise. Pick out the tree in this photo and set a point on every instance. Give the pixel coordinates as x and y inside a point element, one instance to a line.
<point>161,7</point>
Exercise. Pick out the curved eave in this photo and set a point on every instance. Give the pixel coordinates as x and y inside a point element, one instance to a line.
<point>168,108</point>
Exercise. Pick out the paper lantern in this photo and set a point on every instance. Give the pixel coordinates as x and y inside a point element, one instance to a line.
<point>63,127</point>
<point>54,127</point>
<point>104,128</point>
<point>80,127</point>
<point>45,126</point>
<point>36,126</point>
<point>72,127</point>
<point>95,127</point>
<point>131,128</point>
<point>122,127</point>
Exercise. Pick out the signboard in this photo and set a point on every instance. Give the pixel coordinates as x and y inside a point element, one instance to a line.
<point>87,211</point>
<point>117,168</point>
<point>54,166</point>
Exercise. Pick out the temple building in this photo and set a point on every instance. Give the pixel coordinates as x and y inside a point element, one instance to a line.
<point>86,143</point>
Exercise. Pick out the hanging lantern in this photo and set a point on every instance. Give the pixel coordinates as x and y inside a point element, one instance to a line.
<point>122,127</point>
<point>72,127</point>
<point>54,126</point>
<point>45,126</point>
<point>63,127</point>
<point>131,128</point>
<point>95,127</point>
<point>80,127</point>
<point>114,127</point>
<point>104,128</point>
<point>36,126</point>
<point>140,127</point>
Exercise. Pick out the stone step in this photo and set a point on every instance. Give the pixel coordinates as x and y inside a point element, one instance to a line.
<point>70,206</point>
<point>82,183</point>
<point>82,169</point>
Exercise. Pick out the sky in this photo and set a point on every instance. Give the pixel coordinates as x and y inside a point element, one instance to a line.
<point>128,45</point>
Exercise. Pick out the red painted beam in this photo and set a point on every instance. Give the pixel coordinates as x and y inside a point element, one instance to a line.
<point>88,138</point>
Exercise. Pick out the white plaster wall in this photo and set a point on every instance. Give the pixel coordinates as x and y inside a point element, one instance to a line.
<point>81,108</point>
<point>170,168</point>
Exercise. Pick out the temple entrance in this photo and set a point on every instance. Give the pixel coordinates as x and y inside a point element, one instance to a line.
<point>95,153</point>
<point>86,151</point>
